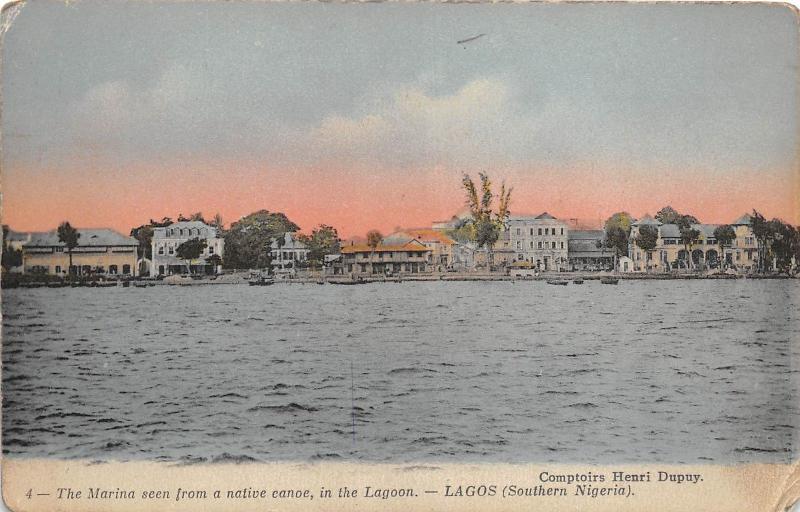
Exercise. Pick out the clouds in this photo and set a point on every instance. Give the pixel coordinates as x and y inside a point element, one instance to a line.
<point>411,127</point>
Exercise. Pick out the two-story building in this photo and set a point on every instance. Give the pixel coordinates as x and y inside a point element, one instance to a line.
<point>99,251</point>
<point>542,240</point>
<point>670,252</point>
<point>166,241</point>
<point>442,247</point>
<point>289,253</point>
<point>388,257</point>
<point>585,250</point>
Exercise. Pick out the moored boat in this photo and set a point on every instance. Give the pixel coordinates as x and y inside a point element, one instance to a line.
<point>561,282</point>
<point>609,280</point>
<point>578,281</point>
<point>261,281</point>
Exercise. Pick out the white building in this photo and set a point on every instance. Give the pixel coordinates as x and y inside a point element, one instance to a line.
<point>165,245</point>
<point>541,240</point>
<point>291,253</point>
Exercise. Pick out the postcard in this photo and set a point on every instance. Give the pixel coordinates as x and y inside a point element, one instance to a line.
<point>400,256</point>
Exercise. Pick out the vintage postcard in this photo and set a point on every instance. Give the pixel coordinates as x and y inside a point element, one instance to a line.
<point>400,256</point>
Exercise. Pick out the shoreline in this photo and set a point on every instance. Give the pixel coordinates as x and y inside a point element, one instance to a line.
<point>233,279</point>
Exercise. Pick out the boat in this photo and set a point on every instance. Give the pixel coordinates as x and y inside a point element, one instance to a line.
<point>578,281</point>
<point>261,281</point>
<point>561,282</point>
<point>609,280</point>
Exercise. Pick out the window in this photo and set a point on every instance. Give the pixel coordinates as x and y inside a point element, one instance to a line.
<point>562,243</point>
<point>520,257</point>
<point>519,231</point>
<point>58,269</point>
<point>59,249</point>
<point>161,250</point>
<point>531,231</point>
<point>531,244</point>
<point>112,269</point>
<point>562,232</point>
<point>126,269</point>
<point>540,245</point>
<point>171,250</point>
<point>519,244</point>
<point>540,231</point>
<point>410,254</point>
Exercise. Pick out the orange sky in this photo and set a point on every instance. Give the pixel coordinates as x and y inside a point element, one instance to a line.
<point>355,201</point>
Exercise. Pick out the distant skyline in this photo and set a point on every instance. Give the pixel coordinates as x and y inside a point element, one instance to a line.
<point>366,116</point>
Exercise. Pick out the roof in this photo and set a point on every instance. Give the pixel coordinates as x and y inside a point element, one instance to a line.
<point>583,247</point>
<point>523,218</point>
<point>423,235</point>
<point>744,220</point>
<point>586,234</point>
<point>673,231</point>
<point>18,236</point>
<point>290,241</point>
<point>88,238</point>
<point>409,246</point>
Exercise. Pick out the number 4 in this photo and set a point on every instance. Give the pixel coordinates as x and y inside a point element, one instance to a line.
<point>29,493</point>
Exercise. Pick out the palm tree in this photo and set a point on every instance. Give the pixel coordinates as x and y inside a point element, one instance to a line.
<point>488,224</point>
<point>374,239</point>
<point>68,236</point>
<point>724,235</point>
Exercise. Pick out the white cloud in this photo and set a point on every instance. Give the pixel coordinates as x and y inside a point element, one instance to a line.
<point>475,124</point>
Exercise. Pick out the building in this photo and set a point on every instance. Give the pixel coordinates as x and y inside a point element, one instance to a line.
<point>99,252</point>
<point>290,254</point>
<point>442,247</point>
<point>542,240</point>
<point>165,246</point>
<point>670,252</point>
<point>389,257</point>
<point>586,252</point>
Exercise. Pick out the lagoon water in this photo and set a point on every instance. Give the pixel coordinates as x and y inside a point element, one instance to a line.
<point>646,371</point>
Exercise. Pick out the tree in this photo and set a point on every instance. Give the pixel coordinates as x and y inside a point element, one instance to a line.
<point>785,246</point>
<point>323,241</point>
<point>668,215</point>
<point>191,250</point>
<point>68,236</point>
<point>217,222</point>
<point>487,224</point>
<point>463,232</point>
<point>144,235</point>
<point>11,257</point>
<point>763,231</point>
<point>725,235</point>
<point>214,260</point>
<point>247,241</point>
<point>647,239</point>
<point>374,239</point>
<point>688,235</point>
<point>617,230</point>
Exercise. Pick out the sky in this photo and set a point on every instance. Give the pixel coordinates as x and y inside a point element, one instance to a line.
<point>367,115</point>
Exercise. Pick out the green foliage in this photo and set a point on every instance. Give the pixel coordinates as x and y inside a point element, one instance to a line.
<point>68,235</point>
<point>617,230</point>
<point>322,242</point>
<point>144,235</point>
<point>191,249</point>
<point>668,215</point>
<point>374,238</point>
<point>11,257</point>
<point>647,239</point>
<point>486,223</point>
<point>247,241</point>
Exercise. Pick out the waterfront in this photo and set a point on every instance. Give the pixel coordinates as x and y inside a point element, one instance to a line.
<point>648,371</point>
